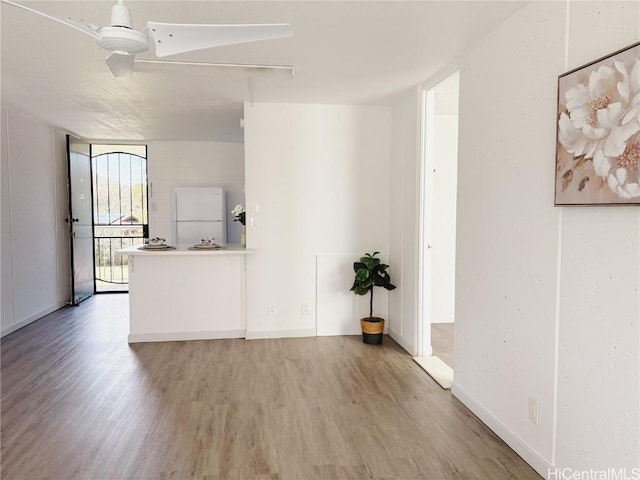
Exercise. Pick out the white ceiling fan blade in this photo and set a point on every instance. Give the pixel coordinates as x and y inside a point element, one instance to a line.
<point>232,66</point>
<point>172,38</point>
<point>121,64</point>
<point>81,27</point>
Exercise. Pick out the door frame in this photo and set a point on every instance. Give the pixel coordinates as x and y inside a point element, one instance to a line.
<point>425,226</point>
<point>425,202</point>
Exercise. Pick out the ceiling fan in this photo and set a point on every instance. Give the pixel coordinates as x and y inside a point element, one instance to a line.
<point>124,42</point>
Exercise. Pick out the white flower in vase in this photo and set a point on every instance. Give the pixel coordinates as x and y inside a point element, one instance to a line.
<point>240,213</point>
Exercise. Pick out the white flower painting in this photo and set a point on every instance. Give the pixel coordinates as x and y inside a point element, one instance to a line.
<point>598,140</point>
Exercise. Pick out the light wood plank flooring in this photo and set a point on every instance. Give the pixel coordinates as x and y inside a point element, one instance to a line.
<point>79,403</point>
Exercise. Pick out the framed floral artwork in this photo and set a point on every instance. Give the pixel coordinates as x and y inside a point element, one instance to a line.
<point>598,132</point>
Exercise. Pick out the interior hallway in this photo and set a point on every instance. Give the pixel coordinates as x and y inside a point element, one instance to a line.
<point>79,403</point>
<point>442,342</point>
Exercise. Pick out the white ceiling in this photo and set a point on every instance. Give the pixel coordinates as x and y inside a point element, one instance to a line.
<point>344,53</point>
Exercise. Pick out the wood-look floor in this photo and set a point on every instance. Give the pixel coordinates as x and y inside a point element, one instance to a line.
<point>79,403</point>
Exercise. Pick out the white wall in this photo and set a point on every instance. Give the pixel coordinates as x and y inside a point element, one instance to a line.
<point>507,226</point>
<point>599,307</point>
<point>319,178</point>
<point>193,164</point>
<point>548,298</point>
<point>545,306</point>
<point>35,255</point>
<point>7,318</point>
<point>404,193</point>
<point>443,217</point>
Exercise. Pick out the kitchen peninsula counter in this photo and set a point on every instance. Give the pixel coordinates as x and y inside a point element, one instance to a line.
<point>186,294</point>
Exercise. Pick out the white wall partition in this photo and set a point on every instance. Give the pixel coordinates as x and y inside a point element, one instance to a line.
<point>547,298</point>
<point>506,260</point>
<point>7,318</point>
<point>193,164</point>
<point>599,303</point>
<point>35,248</point>
<point>404,192</point>
<point>317,182</point>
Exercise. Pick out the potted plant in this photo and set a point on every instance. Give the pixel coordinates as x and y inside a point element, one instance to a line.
<point>371,273</point>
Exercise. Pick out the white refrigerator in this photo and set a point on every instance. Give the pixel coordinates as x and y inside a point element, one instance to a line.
<point>200,212</point>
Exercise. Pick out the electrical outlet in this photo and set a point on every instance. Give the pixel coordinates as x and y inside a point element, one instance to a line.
<point>272,309</point>
<point>306,309</point>
<point>533,410</point>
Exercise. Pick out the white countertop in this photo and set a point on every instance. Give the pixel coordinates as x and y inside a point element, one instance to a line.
<point>230,249</point>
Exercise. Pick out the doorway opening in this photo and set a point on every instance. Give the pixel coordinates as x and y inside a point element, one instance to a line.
<point>120,211</point>
<point>438,228</point>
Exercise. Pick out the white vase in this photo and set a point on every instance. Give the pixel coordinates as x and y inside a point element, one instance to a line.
<point>243,236</point>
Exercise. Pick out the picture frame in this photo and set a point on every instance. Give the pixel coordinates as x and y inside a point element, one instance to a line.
<point>598,132</point>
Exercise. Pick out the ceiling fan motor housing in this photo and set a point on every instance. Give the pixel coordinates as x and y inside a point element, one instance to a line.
<point>120,36</point>
<point>121,39</point>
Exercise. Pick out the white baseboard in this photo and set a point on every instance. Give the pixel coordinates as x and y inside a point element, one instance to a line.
<point>402,342</point>
<point>257,334</point>
<point>528,454</point>
<point>30,319</point>
<point>182,336</point>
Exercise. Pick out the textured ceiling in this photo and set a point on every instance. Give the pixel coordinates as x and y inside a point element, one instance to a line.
<point>343,53</point>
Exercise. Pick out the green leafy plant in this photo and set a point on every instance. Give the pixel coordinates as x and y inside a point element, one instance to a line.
<point>370,273</point>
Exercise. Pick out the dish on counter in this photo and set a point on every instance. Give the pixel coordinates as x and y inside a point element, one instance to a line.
<point>156,247</point>
<point>213,246</point>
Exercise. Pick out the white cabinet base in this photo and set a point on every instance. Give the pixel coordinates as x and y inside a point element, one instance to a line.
<point>186,295</point>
